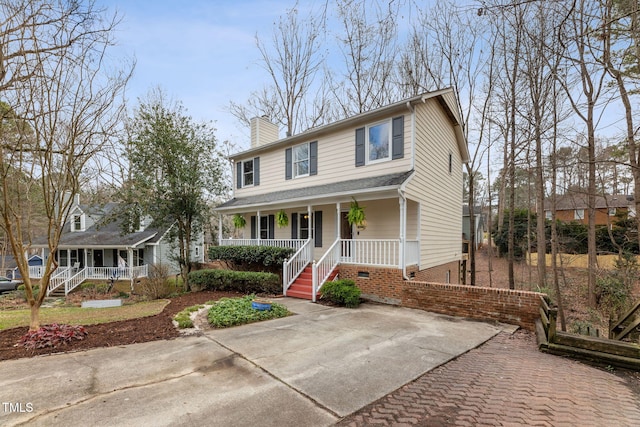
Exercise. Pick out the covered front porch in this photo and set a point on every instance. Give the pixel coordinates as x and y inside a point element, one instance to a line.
<point>75,265</point>
<point>322,237</point>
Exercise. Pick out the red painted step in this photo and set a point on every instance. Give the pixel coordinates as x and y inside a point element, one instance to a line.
<point>302,286</point>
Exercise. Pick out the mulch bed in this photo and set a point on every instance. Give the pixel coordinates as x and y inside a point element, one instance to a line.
<point>152,328</point>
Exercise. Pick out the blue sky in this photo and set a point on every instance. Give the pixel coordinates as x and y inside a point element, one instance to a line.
<point>202,53</point>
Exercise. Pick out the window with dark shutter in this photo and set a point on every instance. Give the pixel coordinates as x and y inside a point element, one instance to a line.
<point>288,173</point>
<point>360,146</point>
<point>398,138</point>
<point>254,227</point>
<point>239,175</point>
<point>294,225</point>
<point>313,158</point>
<point>256,171</point>
<point>317,222</point>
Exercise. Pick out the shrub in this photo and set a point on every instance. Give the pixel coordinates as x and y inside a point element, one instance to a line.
<point>342,292</point>
<point>266,256</point>
<point>23,294</point>
<point>238,311</point>
<point>156,285</point>
<point>246,282</point>
<point>184,317</point>
<point>53,335</point>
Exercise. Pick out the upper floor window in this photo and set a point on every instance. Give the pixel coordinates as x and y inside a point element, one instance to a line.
<point>301,160</point>
<point>578,214</point>
<point>378,143</point>
<point>248,173</point>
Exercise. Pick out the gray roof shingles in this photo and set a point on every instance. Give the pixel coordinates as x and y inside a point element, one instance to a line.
<point>349,186</point>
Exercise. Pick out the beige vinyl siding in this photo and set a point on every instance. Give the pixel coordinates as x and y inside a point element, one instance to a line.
<point>383,219</point>
<point>413,230</point>
<point>336,162</point>
<point>439,191</point>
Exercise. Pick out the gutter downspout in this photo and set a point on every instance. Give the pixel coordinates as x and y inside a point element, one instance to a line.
<point>403,198</point>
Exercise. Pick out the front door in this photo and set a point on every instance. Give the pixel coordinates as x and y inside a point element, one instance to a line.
<point>98,258</point>
<point>346,232</point>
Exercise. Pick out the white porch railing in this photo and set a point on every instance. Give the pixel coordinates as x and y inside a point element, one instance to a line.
<point>107,273</point>
<point>294,265</point>
<point>57,279</point>
<point>75,280</point>
<point>323,268</point>
<point>378,252</point>
<point>282,243</point>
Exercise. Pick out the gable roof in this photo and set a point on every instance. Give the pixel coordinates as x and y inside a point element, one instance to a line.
<point>443,97</point>
<point>572,201</point>
<point>105,232</point>
<point>342,188</point>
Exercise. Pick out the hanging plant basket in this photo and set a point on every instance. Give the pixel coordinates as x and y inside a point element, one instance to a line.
<point>282,220</point>
<point>356,215</point>
<point>239,221</point>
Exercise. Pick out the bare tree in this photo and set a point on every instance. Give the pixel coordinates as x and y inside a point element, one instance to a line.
<point>368,48</point>
<point>291,60</point>
<point>583,47</point>
<point>65,109</point>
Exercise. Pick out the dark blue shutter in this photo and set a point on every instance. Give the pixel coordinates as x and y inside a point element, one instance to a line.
<point>317,225</point>
<point>313,158</point>
<point>256,171</point>
<point>287,163</point>
<point>397,133</point>
<point>360,137</point>
<point>239,175</point>
<point>272,225</point>
<point>294,225</point>
<point>254,227</point>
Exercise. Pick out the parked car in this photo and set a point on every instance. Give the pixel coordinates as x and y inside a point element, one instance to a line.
<point>7,284</point>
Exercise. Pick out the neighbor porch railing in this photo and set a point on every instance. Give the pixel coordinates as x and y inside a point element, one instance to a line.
<point>378,252</point>
<point>281,243</point>
<point>323,268</point>
<point>292,267</point>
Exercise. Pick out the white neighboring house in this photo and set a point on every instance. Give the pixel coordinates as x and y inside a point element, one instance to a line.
<point>402,163</point>
<point>94,246</point>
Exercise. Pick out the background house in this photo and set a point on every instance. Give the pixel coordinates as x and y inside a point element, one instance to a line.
<point>94,245</point>
<point>401,163</point>
<point>479,224</point>
<point>573,207</point>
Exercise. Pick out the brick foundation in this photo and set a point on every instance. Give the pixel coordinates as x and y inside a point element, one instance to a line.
<point>387,285</point>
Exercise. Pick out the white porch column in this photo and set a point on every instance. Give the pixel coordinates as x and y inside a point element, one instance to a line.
<point>311,225</point>
<point>220,230</point>
<point>130,258</point>
<point>258,226</point>
<point>338,220</point>
<point>403,230</point>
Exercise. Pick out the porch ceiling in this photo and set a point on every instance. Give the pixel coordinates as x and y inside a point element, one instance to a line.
<point>376,184</point>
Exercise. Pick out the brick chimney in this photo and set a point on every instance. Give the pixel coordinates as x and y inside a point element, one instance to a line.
<point>263,131</point>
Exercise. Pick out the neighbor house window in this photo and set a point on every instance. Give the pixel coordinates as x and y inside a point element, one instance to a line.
<point>379,140</point>
<point>247,173</point>
<point>547,214</point>
<point>77,222</point>
<point>578,214</point>
<point>301,160</point>
<point>612,211</point>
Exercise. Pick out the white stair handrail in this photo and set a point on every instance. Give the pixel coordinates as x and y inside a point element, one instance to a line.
<point>323,268</point>
<point>292,267</point>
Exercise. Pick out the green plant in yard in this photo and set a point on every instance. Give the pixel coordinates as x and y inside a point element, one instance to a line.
<point>342,292</point>
<point>242,281</point>
<point>238,311</point>
<point>184,317</point>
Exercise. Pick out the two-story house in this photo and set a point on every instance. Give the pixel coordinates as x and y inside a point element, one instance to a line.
<point>93,245</point>
<point>402,163</point>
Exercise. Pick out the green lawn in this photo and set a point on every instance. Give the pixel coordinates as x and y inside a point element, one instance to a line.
<point>82,316</point>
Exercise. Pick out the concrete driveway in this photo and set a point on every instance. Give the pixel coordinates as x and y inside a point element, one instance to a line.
<point>309,369</point>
